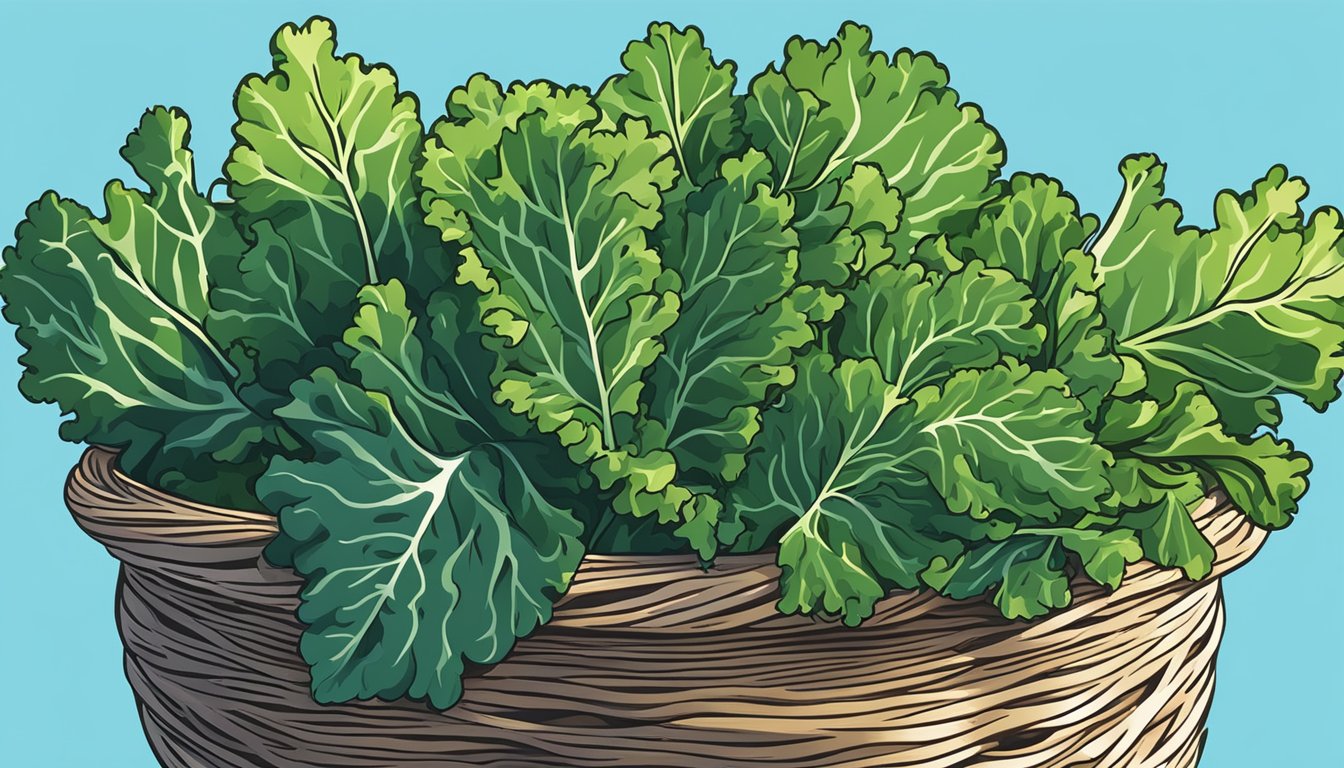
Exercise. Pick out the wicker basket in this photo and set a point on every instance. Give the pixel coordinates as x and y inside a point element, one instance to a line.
<point>651,662</point>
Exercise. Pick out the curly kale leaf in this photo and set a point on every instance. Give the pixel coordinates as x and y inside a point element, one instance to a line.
<point>114,313</point>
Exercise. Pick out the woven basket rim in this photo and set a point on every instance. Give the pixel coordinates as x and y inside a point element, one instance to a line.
<point>125,514</point>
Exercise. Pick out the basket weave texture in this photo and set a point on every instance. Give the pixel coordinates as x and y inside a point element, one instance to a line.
<point>651,662</point>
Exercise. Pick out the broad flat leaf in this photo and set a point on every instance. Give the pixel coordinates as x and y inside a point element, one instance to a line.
<point>836,105</point>
<point>921,327</point>
<point>416,562</point>
<point>555,216</point>
<point>1025,574</point>
<point>1248,309</point>
<point>166,240</point>
<point>434,374</point>
<point>325,150</point>
<point>673,82</point>
<point>830,466</point>
<point>1036,233</point>
<point>1008,439</point>
<point>1263,477</point>
<point>111,313</point>
<point>736,258</point>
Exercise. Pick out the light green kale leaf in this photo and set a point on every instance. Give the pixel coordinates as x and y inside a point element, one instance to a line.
<point>322,171</point>
<point>922,326</point>
<point>1103,554</point>
<point>833,107</point>
<point>171,238</point>
<point>1036,232</point>
<point>417,559</point>
<point>672,81</point>
<point>830,471</point>
<point>1248,309</point>
<point>555,218</point>
<point>113,313</point>
<point>1008,439</point>
<point>1168,446</point>
<point>735,258</point>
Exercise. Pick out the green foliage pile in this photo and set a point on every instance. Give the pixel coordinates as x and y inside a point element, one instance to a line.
<point>680,313</point>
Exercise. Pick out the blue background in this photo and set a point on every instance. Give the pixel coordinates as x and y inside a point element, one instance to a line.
<point>1221,90</point>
